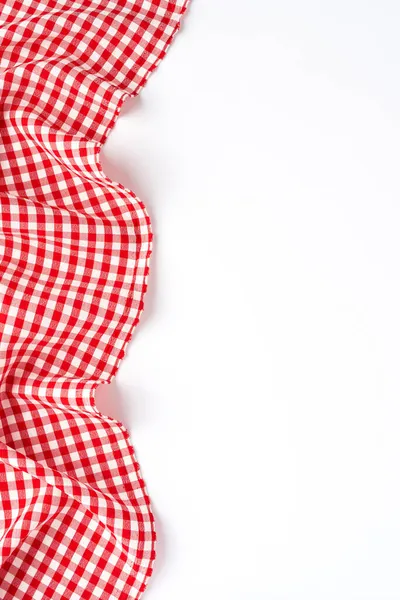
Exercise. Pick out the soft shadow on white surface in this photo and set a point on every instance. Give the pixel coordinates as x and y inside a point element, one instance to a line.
<point>124,171</point>
<point>118,170</point>
<point>113,399</point>
<point>109,398</point>
<point>262,388</point>
<point>110,401</point>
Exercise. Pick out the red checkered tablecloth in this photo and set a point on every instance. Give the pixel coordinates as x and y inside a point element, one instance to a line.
<point>75,516</point>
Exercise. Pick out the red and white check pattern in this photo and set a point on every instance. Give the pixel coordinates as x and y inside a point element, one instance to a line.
<point>75,516</point>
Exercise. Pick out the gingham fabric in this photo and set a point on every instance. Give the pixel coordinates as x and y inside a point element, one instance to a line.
<point>76,521</point>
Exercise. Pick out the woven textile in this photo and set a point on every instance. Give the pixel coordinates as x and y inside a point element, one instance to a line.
<point>75,516</point>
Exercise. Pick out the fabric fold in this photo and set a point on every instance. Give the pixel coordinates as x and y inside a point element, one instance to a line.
<point>76,519</point>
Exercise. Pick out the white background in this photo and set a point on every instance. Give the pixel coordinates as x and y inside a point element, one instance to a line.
<point>261,387</point>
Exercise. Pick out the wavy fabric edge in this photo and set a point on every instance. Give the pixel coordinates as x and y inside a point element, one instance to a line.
<point>77,520</point>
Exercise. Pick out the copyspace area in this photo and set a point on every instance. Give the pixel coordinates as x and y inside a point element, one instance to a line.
<point>262,385</point>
